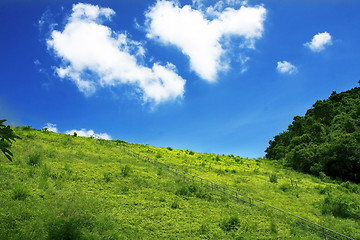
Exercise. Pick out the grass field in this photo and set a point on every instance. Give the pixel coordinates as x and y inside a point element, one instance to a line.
<point>66,187</point>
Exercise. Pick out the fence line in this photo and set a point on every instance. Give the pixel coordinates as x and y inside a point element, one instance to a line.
<point>325,232</point>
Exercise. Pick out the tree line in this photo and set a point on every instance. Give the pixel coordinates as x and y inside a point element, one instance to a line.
<point>324,141</point>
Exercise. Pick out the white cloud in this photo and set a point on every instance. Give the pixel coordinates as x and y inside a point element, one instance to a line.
<point>319,42</point>
<point>286,67</point>
<point>51,127</point>
<point>201,39</point>
<point>94,56</point>
<point>81,133</point>
<point>89,133</point>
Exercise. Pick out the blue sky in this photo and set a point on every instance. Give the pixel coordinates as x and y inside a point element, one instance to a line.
<point>210,76</point>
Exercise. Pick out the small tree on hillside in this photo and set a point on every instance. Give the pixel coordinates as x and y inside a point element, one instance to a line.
<point>7,135</point>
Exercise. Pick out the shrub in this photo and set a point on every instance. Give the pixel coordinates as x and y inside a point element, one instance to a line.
<point>285,187</point>
<point>125,171</point>
<point>204,229</point>
<point>273,178</point>
<point>20,193</point>
<point>193,190</point>
<point>340,206</point>
<point>324,190</point>
<point>220,172</point>
<point>119,142</point>
<point>30,136</point>
<point>273,227</point>
<point>34,159</point>
<point>64,229</point>
<point>351,187</point>
<point>229,224</point>
<point>107,177</point>
<point>323,177</point>
<point>175,205</point>
<point>124,189</point>
<point>169,148</point>
<point>160,171</point>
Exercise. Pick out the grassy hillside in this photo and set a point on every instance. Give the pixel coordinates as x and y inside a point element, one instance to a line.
<point>65,187</point>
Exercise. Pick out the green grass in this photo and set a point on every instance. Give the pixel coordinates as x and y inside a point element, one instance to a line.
<point>66,187</point>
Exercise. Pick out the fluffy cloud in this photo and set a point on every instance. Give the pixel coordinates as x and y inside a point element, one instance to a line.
<point>200,38</point>
<point>51,127</point>
<point>319,42</point>
<point>94,56</point>
<point>286,67</point>
<point>89,133</point>
<point>82,133</point>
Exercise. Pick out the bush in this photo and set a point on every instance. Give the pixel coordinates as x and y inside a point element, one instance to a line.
<point>120,142</point>
<point>351,187</point>
<point>285,187</point>
<point>323,177</point>
<point>20,193</point>
<point>273,227</point>
<point>64,229</point>
<point>175,205</point>
<point>340,206</point>
<point>273,178</point>
<point>193,190</point>
<point>34,159</point>
<point>107,177</point>
<point>169,148</point>
<point>204,229</point>
<point>229,224</point>
<point>324,190</point>
<point>125,171</point>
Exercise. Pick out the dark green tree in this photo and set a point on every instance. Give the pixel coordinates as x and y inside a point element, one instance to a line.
<point>326,140</point>
<point>7,136</point>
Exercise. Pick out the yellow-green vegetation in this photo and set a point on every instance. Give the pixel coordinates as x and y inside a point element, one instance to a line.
<point>66,187</point>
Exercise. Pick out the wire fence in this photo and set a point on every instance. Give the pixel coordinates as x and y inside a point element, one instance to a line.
<point>326,233</point>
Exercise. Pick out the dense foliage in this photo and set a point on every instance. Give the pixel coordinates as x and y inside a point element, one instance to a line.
<point>326,140</point>
<point>7,136</point>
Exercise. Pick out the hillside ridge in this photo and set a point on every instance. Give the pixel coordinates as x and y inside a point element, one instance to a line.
<point>311,226</point>
<point>60,186</point>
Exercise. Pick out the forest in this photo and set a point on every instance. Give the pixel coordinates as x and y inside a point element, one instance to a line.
<point>324,142</point>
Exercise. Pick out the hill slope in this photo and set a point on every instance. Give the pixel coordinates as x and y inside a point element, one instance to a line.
<point>65,187</point>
